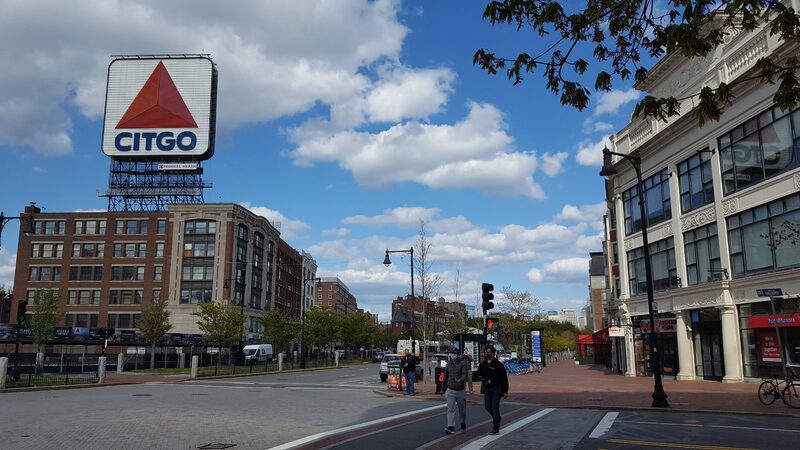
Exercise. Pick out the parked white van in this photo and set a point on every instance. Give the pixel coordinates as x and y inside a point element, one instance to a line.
<point>259,353</point>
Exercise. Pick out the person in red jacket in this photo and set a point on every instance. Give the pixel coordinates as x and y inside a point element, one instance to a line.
<point>494,384</point>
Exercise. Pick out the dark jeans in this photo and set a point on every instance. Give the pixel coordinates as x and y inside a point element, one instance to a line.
<point>491,401</point>
<point>410,382</point>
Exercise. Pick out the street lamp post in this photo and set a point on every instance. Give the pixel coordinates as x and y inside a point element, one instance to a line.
<point>240,352</point>
<point>608,170</point>
<point>387,262</point>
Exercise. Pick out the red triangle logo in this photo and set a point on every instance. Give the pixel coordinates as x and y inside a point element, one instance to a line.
<point>158,105</point>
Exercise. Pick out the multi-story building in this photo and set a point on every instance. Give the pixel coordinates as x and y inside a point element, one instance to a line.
<point>553,316</point>
<point>333,294</point>
<point>597,319</point>
<point>720,200</point>
<point>107,266</point>
<point>568,316</point>
<point>309,280</point>
<point>288,292</point>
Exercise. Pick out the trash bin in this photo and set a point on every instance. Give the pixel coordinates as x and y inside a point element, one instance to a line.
<point>440,381</point>
<point>395,381</point>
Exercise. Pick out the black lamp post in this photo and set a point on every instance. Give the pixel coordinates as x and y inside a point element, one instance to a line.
<point>387,262</point>
<point>608,170</point>
<point>303,318</point>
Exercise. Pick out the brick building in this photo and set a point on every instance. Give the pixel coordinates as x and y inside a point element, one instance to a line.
<point>333,294</point>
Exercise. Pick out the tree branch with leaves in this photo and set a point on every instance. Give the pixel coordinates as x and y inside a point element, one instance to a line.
<point>154,324</point>
<point>618,33</point>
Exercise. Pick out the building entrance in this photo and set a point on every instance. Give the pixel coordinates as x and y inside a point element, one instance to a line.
<point>708,344</point>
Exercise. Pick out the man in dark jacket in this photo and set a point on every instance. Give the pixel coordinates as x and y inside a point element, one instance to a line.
<point>409,365</point>
<point>494,384</point>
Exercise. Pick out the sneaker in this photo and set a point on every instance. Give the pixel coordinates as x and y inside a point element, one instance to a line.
<point>494,431</point>
<point>449,430</point>
<point>463,426</point>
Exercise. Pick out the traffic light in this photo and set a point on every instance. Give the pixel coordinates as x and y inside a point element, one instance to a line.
<point>492,325</point>
<point>487,297</point>
<point>22,309</point>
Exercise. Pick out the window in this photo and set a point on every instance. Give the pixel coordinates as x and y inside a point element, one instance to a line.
<point>85,273</point>
<point>93,227</point>
<point>195,296</point>
<point>258,241</point>
<point>88,250</point>
<point>53,227</point>
<point>657,202</point>
<point>241,253</point>
<point>242,232</point>
<point>83,297</point>
<point>156,295</point>
<point>44,273</point>
<point>258,258</point>
<point>697,188</point>
<point>158,272</point>
<point>127,273</point>
<point>662,262</point>
<point>161,227</point>
<point>199,249</point>
<point>761,239</point>
<point>200,227</point>
<point>47,250</point>
<point>159,249</point>
<point>702,254</point>
<point>761,148</point>
<point>197,272</point>
<point>130,249</point>
<point>125,297</point>
<point>132,226</point>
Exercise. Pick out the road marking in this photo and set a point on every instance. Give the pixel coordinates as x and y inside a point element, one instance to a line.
<point>755,428</point>
<point>673,445</point>
<point>715,426</point>
<point>357,426</point>
<point>605,424</point>
<point>485,440</point>
<point>669,424</point>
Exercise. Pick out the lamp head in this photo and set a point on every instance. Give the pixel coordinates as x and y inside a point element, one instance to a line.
<point>608,169</point>
<point>386,261</point>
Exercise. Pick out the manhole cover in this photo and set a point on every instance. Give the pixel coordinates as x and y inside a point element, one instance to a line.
<point>142,395</point>
<point>218,445</point>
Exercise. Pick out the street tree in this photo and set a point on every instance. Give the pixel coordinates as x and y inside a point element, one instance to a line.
<point>455,326</point>
<point>618,34</point>
<point>222,325</point>
<point>520,304</point>
<point>154,324</point>
<point>429,281</point>
<point>322,327</point>
<point>43,321</point>
<point>357,331</point>
<point>279,330</point>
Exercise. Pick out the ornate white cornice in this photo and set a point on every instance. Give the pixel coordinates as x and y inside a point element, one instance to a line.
<point>797,181</point>
<point>730,206</point>
<point>699,218</point>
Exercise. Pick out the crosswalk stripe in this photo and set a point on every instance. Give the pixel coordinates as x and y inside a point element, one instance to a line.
<point>605,424</point>
<point>485,440</point>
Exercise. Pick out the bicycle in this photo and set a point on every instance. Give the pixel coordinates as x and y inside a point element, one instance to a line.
<point>787,390</point>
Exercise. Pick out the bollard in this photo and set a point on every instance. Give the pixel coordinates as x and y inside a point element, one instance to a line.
<point>337,359</point>
<point>101,370</point>
<point>120,363</point>
<point>195,363</point>
<point>280,362</point>
<point>3,370</point>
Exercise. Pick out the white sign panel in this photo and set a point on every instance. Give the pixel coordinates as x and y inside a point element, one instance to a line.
<point>616,332</point>
<point>160,109</point>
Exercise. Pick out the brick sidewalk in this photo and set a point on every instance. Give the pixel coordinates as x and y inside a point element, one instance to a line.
<point>565,384</point>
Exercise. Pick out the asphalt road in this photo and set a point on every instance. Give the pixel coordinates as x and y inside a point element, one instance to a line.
<point>338,409</point>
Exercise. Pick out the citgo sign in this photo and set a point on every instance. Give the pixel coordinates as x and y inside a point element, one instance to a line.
<point>160,108</point>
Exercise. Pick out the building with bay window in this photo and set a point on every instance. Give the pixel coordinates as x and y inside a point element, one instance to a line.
<point>107,266</point>
<point>723,209</point>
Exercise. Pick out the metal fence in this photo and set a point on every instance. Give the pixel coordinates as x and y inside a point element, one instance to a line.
<point>53,370</point>
<point>214,364</point>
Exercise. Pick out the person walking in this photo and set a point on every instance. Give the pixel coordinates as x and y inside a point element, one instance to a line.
<point>409,365</point>
<point>494,384</point>
<point>455,375</point>
<point>466,359</point>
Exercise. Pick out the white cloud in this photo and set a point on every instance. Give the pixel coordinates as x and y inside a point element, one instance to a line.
<point>335,232</point>
<point>552,164</point>
<point>275,59</point>
<point>561,271</point>
<point>591,153</point>
<point>289,228</point>
<point>475,152</point>
<point>401,217</point>
<point>611,102</point>
<point>407,93</point>
<point>8,263</point>
<point>586,213</point>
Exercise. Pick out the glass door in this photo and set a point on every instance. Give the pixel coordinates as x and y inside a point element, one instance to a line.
<point>711,349</point>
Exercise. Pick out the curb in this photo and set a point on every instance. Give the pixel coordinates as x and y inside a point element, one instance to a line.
<point>243,375</point>
<point>61,387</point>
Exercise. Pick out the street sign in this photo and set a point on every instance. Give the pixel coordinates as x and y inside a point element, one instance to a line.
<point>616,332</point>
<point>769,292</point>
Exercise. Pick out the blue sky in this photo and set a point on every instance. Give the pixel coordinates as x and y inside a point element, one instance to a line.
<point>347,122</point>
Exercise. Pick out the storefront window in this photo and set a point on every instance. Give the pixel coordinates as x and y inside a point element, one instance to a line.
<point>761,354</point>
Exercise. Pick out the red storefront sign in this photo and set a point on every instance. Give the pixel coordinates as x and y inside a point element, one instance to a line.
<point>662,326</point>
<point>780,320</point>
<point>768,344</point>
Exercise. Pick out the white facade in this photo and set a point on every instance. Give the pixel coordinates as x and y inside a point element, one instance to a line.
<point>569,316</point>
<point>710,315</point>
<point>309,280</point>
